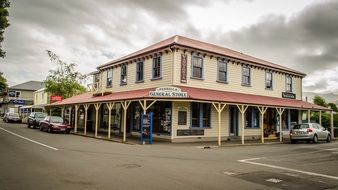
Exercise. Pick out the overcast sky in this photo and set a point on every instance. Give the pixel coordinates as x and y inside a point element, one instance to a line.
<point>301,35</point>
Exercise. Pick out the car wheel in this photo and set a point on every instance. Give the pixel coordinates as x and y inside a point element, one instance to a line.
<point>328,138</point>
<point>315,139</point>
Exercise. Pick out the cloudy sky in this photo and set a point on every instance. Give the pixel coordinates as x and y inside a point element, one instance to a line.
<point>301,34</point>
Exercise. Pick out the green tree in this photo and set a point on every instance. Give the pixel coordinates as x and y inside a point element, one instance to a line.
<point>319,101</point>
<point>325,118</point>
<point>64,80</point>
<point>4,4</point>
<point>3,83</point>
<point>333,107</point>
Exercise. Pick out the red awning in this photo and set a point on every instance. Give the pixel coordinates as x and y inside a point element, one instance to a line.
<point>196,94</point>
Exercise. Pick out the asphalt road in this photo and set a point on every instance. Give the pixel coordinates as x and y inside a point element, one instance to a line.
<point>30,159</point>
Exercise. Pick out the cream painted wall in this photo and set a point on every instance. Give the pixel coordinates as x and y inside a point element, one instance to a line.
<point>166,79</point>
<point>40,97</point>
<point>234,78</point>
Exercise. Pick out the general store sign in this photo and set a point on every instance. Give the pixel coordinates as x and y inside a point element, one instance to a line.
<point>55,98</point>
<point>168,92</point>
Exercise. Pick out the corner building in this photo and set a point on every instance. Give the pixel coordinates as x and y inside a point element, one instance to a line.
<point>197,92</point>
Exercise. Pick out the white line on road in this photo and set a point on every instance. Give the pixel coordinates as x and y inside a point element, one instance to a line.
<point>33,141</point>
<point>332,149</point>
<point>248,161</point>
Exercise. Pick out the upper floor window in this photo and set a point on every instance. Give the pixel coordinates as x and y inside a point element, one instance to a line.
<point>109,78</point>
<point>139,71</point>
<point>268,80</point>
<point>123,74</point>
<point>197,67</point>
<point>156,70</point>
<point>288,83</point>
<point>222,71</point>
<point>246,76</point>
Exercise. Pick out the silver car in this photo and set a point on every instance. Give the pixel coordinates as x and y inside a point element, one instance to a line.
<point>309,132</point>
<point>12,117</point>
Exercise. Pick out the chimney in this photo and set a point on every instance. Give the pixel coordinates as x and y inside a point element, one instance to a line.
<point>305,98</point>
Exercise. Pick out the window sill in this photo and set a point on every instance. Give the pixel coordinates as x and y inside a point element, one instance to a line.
<point>140,81</point>
<point>123,84</point>
<point>223,82</point>
<point>246,85</point>
<point>158,78</point>
<point>197,78</point>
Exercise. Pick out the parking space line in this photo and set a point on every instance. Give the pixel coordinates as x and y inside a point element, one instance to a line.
<point>33,141</point>
<point>249,161</point>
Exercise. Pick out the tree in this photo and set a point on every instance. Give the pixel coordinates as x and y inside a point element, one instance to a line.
<point>319,101</point>
<point>4,4</point>
<point>333,107</point>
<point>64,80</point>
<point>3,82</point>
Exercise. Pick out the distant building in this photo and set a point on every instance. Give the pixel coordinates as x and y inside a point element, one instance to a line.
<point>19,95</point>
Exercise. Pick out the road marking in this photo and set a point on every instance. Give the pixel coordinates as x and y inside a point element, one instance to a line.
<point>33,141</point>
<point>332,149</point>
<point>249,161</point>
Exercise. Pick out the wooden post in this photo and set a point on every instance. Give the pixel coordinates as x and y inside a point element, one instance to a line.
<point>280,112</point>
<point>125,106</point>
<point>262,110</point>
<point>308,116</point>
<point>110,107</point>
<point>242,109</point>
<point>76,110</point>
<point>50,111</point>
<point>70,115</point>
<point>86,106</point>
<point>62,111</point>
<point>332,126</point>
<point>144,105</point>
<point>219,108</point>
<point>97,107</point>
<point>320,117</point>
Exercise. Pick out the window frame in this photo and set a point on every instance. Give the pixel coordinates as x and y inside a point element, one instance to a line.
<point>125,74</point>
<point>249,76</point>
<point>138,72</point>
<point>192,67</point>
<point>108,86</point>
<point>286,83</point>
<point>226,71</point>
<point>253,112</point>
<point>266,80</point>
<point>153,68</point>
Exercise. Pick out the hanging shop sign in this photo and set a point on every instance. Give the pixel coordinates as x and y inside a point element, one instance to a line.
<point>288,95</point>
<point>170,92</point>
<point>184,68</point>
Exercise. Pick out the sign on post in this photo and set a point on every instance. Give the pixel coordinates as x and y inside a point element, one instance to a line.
<point>147,128</point>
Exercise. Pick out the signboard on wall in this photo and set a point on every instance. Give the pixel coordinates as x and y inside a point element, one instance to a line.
<point>184,68</point>
<point>170,92</point>
<point>289,95</point>
<point>17,102</point>
<point>55,98</point>
<point>11,93</point>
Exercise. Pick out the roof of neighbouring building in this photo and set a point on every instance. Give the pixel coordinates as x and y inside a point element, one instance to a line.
<point>30,86</point>
<point>201,46</point>
<point>196,94</point>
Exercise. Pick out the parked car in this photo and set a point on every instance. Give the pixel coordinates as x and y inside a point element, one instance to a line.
<point>12,117</point>
<point>54,124</point>
<point>309,132</point>
<point>34,119</point>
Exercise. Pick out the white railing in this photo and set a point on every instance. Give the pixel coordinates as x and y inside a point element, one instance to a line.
<point>93,87</point>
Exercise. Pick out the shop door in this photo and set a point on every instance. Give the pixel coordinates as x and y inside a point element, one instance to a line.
<point>233,131</point>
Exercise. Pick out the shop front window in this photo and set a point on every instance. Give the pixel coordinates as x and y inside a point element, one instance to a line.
<point>252,118</point>
<point>200,115</point>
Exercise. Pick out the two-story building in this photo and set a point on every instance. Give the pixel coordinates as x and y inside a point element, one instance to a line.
<point>196,91</point>
<point>20,95</point>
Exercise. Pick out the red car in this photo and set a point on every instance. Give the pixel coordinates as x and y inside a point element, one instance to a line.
<point>54,124</point>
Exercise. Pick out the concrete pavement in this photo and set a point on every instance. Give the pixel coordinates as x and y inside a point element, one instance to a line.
<point>85,163</point>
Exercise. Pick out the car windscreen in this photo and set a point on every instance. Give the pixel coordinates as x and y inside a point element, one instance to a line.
<point>56,120</point>
<point>13,114</point>
<point>40,115</point>
<point>301,126</point>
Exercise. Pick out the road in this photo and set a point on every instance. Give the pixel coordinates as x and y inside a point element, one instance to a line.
<point>30,159</point>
